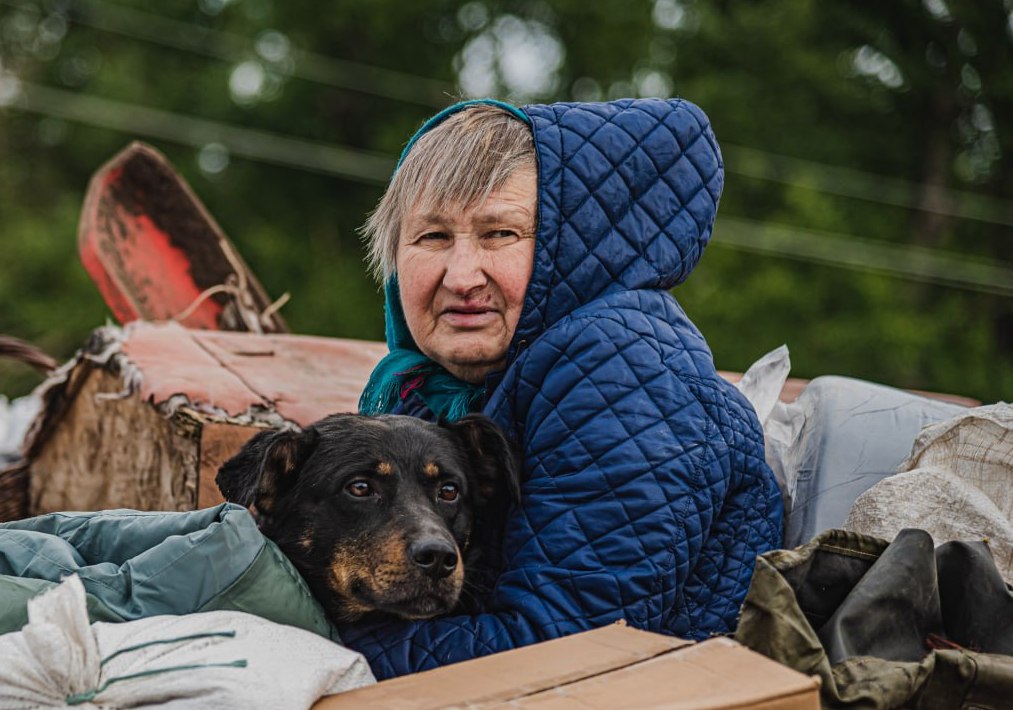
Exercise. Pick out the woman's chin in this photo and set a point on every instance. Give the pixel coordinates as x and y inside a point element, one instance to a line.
<point>467,355</point>
<point>471,366</point>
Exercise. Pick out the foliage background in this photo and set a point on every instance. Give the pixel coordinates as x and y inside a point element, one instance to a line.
<point>867,220</point>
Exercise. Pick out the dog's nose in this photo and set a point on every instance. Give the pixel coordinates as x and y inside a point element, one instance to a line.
<point>435,556</point>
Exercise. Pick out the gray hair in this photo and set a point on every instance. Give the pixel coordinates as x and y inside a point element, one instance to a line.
<point>457,163</point>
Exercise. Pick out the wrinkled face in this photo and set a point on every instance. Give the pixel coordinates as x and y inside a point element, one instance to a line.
<point>463,275</point>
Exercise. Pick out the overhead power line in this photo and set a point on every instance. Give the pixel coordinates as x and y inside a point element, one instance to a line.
<point>851,252</point>
<point>848,182</point>
<point>741,160</point>
<point>233,48</point>
<point>839,250</point>
<point>364,78</point>
<point>177,128</point>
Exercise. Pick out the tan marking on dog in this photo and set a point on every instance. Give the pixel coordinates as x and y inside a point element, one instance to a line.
<point>391,565</point>
<point>381,565</point>
<point>384,468</point>
<point>306,541</point>
<point>431,470</point>
<point>344,564</point>
<point>283,457</point>
<point>286,459</point>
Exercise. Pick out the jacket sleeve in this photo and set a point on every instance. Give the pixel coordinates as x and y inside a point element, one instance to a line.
<point>627,472</point>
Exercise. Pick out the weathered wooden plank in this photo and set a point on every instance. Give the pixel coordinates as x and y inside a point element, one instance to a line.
<point>115,452</point>
<point>218,442</point>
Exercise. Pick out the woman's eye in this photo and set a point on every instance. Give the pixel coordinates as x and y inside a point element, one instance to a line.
<point>449,492</point>
<point>503,234</point>
<point>432,237</point>
<point>359,489</point>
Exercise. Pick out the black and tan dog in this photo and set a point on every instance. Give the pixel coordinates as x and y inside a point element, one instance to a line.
<point>379,514</point>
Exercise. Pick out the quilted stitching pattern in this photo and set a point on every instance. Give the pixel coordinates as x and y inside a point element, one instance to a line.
<point>628,194</point>
<point>647,495</point>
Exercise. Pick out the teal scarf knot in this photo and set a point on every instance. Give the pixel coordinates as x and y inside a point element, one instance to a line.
<point>405,369</point>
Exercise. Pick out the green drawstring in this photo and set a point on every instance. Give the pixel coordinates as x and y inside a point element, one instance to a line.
<point>209,634</point>
<point>89,695</point>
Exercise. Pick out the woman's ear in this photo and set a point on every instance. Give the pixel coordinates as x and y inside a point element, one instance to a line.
<point>496,465</point>
<point>265,468</point>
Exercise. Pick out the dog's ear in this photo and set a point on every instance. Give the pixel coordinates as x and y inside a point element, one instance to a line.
<point>496,465</point>
<point>266,467</point>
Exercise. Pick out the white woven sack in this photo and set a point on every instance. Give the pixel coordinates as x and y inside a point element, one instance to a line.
<point>957,484</point>
<point>220,659</point>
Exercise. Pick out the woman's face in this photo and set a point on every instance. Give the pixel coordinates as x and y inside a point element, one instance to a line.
<point>463,274</point>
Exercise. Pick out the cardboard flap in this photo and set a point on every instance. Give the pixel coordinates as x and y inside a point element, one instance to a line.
<point>718,674</point>
<point>505,676</point>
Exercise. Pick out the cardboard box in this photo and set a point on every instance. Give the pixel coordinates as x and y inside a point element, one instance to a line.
<point>612,667</point>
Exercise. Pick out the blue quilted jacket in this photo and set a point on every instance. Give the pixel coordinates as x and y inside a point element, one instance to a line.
<point>647,497</point>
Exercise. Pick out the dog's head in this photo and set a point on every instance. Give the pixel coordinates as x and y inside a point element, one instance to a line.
<point>376,512</point>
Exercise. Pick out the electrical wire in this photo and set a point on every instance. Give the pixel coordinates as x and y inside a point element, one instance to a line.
<point>872,256</point>
<point>178,128</point>
<point>740,160</point>
<point>839,250</point>
<point>847,182</point>
<point>233,48</point>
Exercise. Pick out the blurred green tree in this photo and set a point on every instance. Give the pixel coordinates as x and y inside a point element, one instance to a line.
<point>856,137</point>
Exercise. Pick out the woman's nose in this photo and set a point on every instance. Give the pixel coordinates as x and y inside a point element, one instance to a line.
<point>464,267</point>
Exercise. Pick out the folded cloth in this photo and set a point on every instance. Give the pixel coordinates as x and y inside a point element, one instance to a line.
<point>135,565</point>
<point>221,659</point>
<point>957,484</point>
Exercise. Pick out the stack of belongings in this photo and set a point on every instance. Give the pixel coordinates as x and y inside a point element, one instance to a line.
<point>144,415</point>
<point>903,599</point>
<point>190,606</point>
<point>179,609</point>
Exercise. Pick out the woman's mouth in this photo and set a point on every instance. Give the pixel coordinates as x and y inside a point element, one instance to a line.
<point>468,316</point>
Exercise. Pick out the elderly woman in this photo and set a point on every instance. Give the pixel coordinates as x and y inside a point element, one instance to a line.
<point>527,255</point>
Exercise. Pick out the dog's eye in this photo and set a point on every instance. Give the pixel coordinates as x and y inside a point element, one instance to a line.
<point>359,489</point>
<point>449,492</point>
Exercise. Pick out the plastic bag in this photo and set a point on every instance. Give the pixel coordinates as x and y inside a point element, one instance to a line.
<point>762,384</point>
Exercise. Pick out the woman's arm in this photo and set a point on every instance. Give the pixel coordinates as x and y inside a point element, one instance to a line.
<point>629,475</point>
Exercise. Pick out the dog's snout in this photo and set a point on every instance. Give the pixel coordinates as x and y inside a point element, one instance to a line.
<point>435,556</point>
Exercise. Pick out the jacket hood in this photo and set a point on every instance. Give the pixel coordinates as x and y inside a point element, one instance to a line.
<point>627,195</point>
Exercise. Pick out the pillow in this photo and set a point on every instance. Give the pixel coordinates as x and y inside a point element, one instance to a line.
<point>838,439</point>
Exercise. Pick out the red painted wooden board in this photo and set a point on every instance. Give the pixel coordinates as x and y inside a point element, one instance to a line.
<point>153,250</point>
<point>300,377</point>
